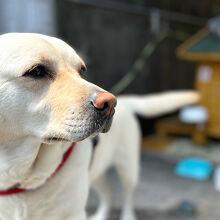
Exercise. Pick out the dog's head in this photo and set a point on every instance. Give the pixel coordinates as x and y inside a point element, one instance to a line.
<point>43,94</point>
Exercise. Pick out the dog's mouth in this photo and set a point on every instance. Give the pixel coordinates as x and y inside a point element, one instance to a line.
<point>97,126</point>
<point>101,125</point>
<point>107,125</point>
<point>79,133</point>
<point>55,139</point>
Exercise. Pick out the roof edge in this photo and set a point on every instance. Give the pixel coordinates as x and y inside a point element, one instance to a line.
<point>181,50</point>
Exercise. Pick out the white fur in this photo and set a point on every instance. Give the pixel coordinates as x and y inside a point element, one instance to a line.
<point>120,147</point>
<point>33,110</point>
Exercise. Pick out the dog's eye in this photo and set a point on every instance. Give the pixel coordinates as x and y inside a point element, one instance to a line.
<point>38,72</point>
<point>82,71</point>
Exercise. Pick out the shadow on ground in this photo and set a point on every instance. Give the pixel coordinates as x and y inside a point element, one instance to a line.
<point>151,215</point>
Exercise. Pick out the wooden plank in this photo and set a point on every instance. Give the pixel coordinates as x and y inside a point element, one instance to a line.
<point>157,143</point>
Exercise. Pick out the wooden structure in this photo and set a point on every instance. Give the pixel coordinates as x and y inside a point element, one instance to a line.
<point>172,125</point>
<point>204,48</point>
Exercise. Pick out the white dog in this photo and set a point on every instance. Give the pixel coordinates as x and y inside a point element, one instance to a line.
<point>45,105</point>
<point>120,147</point>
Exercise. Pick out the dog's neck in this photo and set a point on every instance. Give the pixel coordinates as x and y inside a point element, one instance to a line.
<point>28,162</point>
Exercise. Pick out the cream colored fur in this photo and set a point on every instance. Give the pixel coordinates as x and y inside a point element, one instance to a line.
<point>120,147</point>
<point>32,111</point>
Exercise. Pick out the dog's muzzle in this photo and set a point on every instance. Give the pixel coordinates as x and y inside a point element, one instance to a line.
<point>104,104</point>
<point>96,117</point>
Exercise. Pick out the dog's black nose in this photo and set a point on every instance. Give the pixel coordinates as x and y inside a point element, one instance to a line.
<point>104,102</point>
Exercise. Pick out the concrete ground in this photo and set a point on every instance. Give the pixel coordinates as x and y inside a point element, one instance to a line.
<point>160,192</point>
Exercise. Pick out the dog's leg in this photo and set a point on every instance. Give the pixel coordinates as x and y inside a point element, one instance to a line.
<point>129,179</point>
<point>104,190</point>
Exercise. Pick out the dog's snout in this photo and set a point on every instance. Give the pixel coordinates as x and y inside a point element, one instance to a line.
<point>104,102</point>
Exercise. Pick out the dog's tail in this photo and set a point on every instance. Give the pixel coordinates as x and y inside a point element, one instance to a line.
<point>158,104</point>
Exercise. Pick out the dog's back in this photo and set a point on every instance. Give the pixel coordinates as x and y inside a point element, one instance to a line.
<point>121,146</point>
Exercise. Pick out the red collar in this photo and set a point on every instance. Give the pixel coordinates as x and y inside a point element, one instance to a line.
<point>20,190</point>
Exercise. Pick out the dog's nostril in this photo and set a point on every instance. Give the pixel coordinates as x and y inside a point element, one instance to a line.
<point>105,105</point>
<point>102,108</point>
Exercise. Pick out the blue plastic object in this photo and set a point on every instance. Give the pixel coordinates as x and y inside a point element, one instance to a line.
<point>195,168</point>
